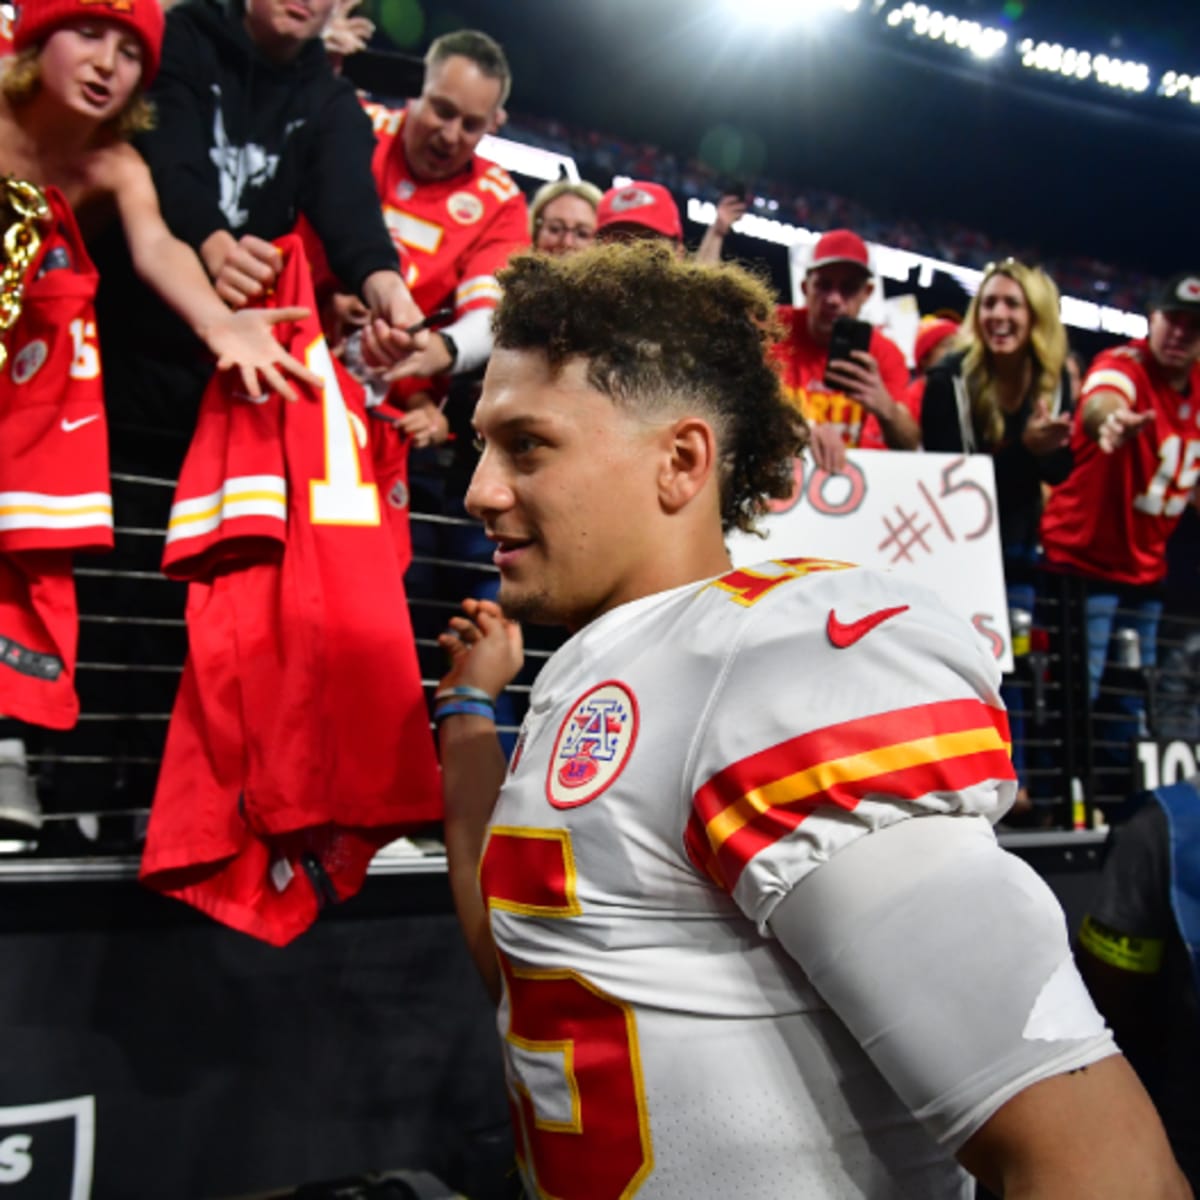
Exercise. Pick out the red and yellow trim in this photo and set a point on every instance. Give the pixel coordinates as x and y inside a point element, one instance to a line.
<point>747,586</point>
<point>906,754</point>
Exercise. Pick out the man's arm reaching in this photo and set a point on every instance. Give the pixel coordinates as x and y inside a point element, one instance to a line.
<point>241,341</point>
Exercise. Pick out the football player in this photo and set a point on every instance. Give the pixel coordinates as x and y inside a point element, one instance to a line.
<point>737,892</point>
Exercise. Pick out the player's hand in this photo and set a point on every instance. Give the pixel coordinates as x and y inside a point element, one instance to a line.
<point>730,210</point>
<point>242,271</point>
<point>485,649</point>
<point>244,342</point>
<point>1044,433</point>
<point>426,424</point>
<point>1120,426</point>
<point>828,448</point>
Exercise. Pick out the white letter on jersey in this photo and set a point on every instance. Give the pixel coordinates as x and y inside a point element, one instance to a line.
<point>1155,500</point>
<point>85,361</point>
<point>341,498</point>
<point>498,181</point>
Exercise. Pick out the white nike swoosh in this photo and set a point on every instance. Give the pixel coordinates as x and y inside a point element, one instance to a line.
<point>71,426</point>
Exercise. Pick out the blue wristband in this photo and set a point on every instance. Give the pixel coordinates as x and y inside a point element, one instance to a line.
<point>463,708</point>
<point>464,693</point>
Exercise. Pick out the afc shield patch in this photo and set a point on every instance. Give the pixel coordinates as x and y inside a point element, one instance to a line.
<point>465,207</point>
<point>47,1150</point>
<point>593,745</point>
<point>398,495</point>
<point>29,360</point>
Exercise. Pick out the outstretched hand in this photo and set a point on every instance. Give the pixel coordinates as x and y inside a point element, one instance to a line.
<point>1044,433</point>
<point>244,341</point>
<point>485,649</point>
<point>1120,426</point>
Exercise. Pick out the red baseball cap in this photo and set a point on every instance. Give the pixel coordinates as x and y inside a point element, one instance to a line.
<point>648,205</point>
<point>840,246</point>
<point>933,332</point>
<point>37,19</point>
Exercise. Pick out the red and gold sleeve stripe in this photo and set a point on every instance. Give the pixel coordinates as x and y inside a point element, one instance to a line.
<point>906,754</point>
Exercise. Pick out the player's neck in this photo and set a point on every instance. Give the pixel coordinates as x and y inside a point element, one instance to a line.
<point>675,566</point>
<point>690,557</point>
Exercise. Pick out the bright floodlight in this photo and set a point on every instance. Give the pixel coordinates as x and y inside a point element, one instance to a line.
<point>781,13</point>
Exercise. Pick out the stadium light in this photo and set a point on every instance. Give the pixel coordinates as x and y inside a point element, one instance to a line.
<point>980,41</point>
<point>1052,57</point>
<point>1180,84</point>
<point>780,13</point>
<point>923,21</point>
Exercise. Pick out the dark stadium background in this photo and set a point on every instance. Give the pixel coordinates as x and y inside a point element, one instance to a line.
<point>848,105</point>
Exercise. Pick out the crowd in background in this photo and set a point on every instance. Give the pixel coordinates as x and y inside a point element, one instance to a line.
<point>407,222</point>
<point>601,156</point>
<point>408,230</point>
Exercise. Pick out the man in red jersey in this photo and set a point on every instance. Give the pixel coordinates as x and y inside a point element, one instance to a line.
<point>1137,459</point>
<point>853,403</point>
<point>455,216</point>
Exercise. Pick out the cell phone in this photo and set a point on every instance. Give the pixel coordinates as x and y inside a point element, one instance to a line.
<point>848,334</point>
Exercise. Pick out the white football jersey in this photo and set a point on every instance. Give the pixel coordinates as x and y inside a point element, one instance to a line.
<point>686,760</point>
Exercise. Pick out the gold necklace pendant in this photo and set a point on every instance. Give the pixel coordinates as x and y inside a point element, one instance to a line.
<point>28,218</point>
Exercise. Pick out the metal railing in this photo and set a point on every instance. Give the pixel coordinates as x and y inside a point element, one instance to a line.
<point>96,781</point>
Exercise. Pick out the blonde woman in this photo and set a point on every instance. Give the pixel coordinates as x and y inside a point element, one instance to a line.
<point>562,217</point>
<point>1004,392</point>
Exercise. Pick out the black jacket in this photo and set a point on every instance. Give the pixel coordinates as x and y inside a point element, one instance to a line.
<point>242,144</point>
<point>1019,474</point>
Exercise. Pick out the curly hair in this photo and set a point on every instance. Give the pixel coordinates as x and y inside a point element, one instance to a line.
<point>659,334</point>
<point>21,79</point>
<point>1047,346</point>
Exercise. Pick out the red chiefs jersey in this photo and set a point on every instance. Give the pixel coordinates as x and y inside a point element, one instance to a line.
<point>300,739</point>
<point>54,481</point>
<point>1112,516</point>
<point>802,360</point>
<point>389,458</point>
<point>454,233</point>
<point>6,46</point>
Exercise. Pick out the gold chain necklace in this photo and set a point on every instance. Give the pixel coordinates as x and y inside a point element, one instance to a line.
<point>22,240</point>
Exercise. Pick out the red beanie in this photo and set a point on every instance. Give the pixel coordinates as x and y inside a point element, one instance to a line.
<point>37,19</point>
<point>932,333</point>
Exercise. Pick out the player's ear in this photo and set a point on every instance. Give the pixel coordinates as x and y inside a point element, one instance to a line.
<point>689,462</point>
<point>499,120</point>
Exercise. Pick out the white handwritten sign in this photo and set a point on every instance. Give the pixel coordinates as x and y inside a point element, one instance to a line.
<point>931,517</point>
